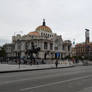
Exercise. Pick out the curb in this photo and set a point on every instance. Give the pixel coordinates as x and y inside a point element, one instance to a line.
<point>12,71</point>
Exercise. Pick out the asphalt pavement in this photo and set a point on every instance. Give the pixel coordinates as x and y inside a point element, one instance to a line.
<point>74,79</point>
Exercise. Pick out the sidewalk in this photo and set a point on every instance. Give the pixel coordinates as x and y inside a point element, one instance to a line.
<point>6,68</point>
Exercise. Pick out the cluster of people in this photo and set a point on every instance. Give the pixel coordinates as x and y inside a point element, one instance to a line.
<point>75,60</point>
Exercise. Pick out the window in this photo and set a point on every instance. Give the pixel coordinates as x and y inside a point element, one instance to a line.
<point>32,45</point>
<point>26,45</point>
<point>32,36</point>
<point>41,34</point>
<point>18,45</point>
<point>51,46</point>
<point>69,48</point>
<point>45,45</point>
<point>56,48</point>
<point>63,47</point>
<point>48,35</point>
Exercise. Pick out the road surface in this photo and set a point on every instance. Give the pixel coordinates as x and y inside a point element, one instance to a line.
<point>75,79</point>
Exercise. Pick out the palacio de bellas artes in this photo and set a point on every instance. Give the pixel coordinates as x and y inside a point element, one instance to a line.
<point>39,44</point>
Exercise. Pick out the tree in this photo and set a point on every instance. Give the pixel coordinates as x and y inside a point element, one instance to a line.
<point>2,52</point>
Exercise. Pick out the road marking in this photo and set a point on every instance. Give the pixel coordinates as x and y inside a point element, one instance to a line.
<point>88,89</point>
<point>42,77</point>
<point>54,83</point>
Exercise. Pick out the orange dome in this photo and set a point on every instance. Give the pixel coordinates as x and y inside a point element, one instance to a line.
<point>34,33</point>
<point>43,27</point>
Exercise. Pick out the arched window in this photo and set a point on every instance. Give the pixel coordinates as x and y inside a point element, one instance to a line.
<point>41,34</point>
<point>48,35</point>
<point>45,45</point>
<point>51,46</point>
<point>44,34</point>
<point>32,43</point>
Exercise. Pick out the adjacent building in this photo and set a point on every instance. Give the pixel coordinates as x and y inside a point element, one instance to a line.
<point>83,49</point>
<point>9,48</point>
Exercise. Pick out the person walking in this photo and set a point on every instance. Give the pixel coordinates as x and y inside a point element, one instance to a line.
<point>73,60</point>
<point>56,63</point>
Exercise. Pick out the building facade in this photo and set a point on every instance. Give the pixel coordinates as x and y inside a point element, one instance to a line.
<point>9,48</point>
<point>83,49</point>
<point>49,43</point>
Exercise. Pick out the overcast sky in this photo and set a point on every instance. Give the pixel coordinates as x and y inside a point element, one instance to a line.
<point>68,18</point>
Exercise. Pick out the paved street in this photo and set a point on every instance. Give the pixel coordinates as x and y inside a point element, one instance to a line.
<point>75,79</point>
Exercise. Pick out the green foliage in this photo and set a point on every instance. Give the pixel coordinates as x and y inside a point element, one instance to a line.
<point>2,52</point>
<point>77,57</point>
<point>67,57</point>
<point>90,58</point>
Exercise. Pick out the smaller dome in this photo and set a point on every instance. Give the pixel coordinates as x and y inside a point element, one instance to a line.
<point>34,33</point>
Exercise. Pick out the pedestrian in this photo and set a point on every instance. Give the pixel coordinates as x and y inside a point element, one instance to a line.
<point>82,59</point>
<point>76,60</point>
<point>56,63</point>
<point>19,62</point>
<point>37,63</point>
<point>73,60</point>
<point>42,61</point>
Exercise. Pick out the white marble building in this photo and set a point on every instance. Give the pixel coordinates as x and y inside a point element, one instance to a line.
<point>43,37</point>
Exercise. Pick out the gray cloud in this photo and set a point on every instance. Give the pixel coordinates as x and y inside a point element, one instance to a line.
<point>68,18</point>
